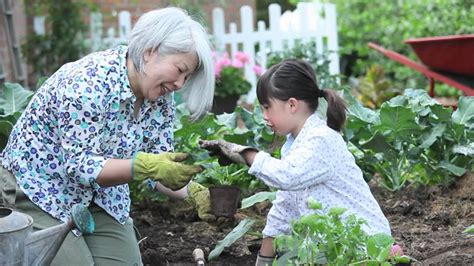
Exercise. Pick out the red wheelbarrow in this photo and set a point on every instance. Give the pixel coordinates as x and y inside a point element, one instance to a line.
<point>448,59</point>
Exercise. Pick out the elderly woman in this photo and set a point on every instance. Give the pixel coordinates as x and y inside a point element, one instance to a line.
<point>102,122</point>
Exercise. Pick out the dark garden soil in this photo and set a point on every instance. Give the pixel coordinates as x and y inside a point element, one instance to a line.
<point>426,222</point>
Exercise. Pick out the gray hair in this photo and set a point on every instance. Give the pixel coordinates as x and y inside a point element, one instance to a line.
<point>172,31</point>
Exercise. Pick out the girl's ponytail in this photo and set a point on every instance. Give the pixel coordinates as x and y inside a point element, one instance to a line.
<point>336,111</point>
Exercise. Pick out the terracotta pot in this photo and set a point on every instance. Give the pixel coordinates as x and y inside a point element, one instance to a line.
<point>224,200</point>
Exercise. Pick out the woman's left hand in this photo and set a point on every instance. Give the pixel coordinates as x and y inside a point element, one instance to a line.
<point>166,168</point>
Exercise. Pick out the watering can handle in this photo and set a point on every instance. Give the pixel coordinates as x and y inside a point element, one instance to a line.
<point>83,219</point>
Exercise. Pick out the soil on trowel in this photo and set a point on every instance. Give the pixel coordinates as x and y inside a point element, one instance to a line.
<point>426,221</point>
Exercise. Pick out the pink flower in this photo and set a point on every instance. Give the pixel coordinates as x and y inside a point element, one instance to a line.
<point>237,64</point>
<point>242,57</point>
<point>257,69</point>
<point>223,62</point>
<point>396,251</point>
<point>217,71</point>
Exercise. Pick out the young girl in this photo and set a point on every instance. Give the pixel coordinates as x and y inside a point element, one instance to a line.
<point>315,161</point>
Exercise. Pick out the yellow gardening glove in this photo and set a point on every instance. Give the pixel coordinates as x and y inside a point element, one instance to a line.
<point>164,167</point>
<point>199,196</point>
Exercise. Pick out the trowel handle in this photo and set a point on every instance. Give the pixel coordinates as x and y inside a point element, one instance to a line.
<point>82,219</point>
<point>198,256</point>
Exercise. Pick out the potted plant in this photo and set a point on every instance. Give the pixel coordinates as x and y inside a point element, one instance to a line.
<point>230,81</point>
<point>188,133</point>
<point>226,185</point>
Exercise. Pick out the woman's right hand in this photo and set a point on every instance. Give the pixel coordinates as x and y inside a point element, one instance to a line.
<point>167,168</point>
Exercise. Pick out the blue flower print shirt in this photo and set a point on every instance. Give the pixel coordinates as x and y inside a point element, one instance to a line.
<point>80,117</point>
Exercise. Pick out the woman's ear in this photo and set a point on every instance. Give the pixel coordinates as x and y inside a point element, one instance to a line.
<point>147,55</point>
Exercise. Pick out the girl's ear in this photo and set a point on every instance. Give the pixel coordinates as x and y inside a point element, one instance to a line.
<point>293,103</point>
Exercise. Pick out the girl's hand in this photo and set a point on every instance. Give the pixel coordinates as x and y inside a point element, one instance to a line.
<point>227,152</point>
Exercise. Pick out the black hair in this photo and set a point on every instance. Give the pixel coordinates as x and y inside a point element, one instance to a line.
<point>295,78</point>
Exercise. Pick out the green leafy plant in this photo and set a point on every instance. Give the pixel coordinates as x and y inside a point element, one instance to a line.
<point>325,238</point>
<point>389,25</point>
<point>62,41</point>
<point>230,175</point>
<point>319,62</point>
<point>412,138</point>
<point>374,88</point>
<point>13,102</point>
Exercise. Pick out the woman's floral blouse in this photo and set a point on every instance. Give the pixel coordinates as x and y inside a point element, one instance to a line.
<point>80,117</point>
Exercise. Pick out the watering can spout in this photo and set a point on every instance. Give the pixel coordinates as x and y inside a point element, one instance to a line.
<point>42,246</point>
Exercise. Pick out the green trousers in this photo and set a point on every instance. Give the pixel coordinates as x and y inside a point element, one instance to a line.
<point>110,244</point>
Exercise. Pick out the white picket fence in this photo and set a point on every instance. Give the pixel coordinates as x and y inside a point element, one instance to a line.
<point>309,22</point>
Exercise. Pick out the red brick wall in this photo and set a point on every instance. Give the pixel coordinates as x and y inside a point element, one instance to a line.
<point>110,9</point>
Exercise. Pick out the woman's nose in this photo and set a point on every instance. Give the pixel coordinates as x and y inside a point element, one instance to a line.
<point>179,83</point>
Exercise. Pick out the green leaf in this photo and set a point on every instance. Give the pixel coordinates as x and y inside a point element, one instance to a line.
<point>372,250</point>
<point>364,114</point>
<point>454,169</point>
<point>313,204</point>
<point>469,229</point>
<point>241,229</point>
<point>15,98</point>
<point>419,101</point>
<point>202,127</point>
<point>336,211</point>
<point>5,127</point>
<point>436,132</point>
<point>377,143</point>
<point>464,115</point>
<point>441,113</point>
<point>258,197</point>
<point>376,244</point>
<point>241,138</point>
<point>41,80</point>
<point>397,122</point>
<point>403,259</point>
<point>228,120</point>
<point>464,150</point>
<point>283,260</point>
<point>246,115</point>
<point>384,253</point>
